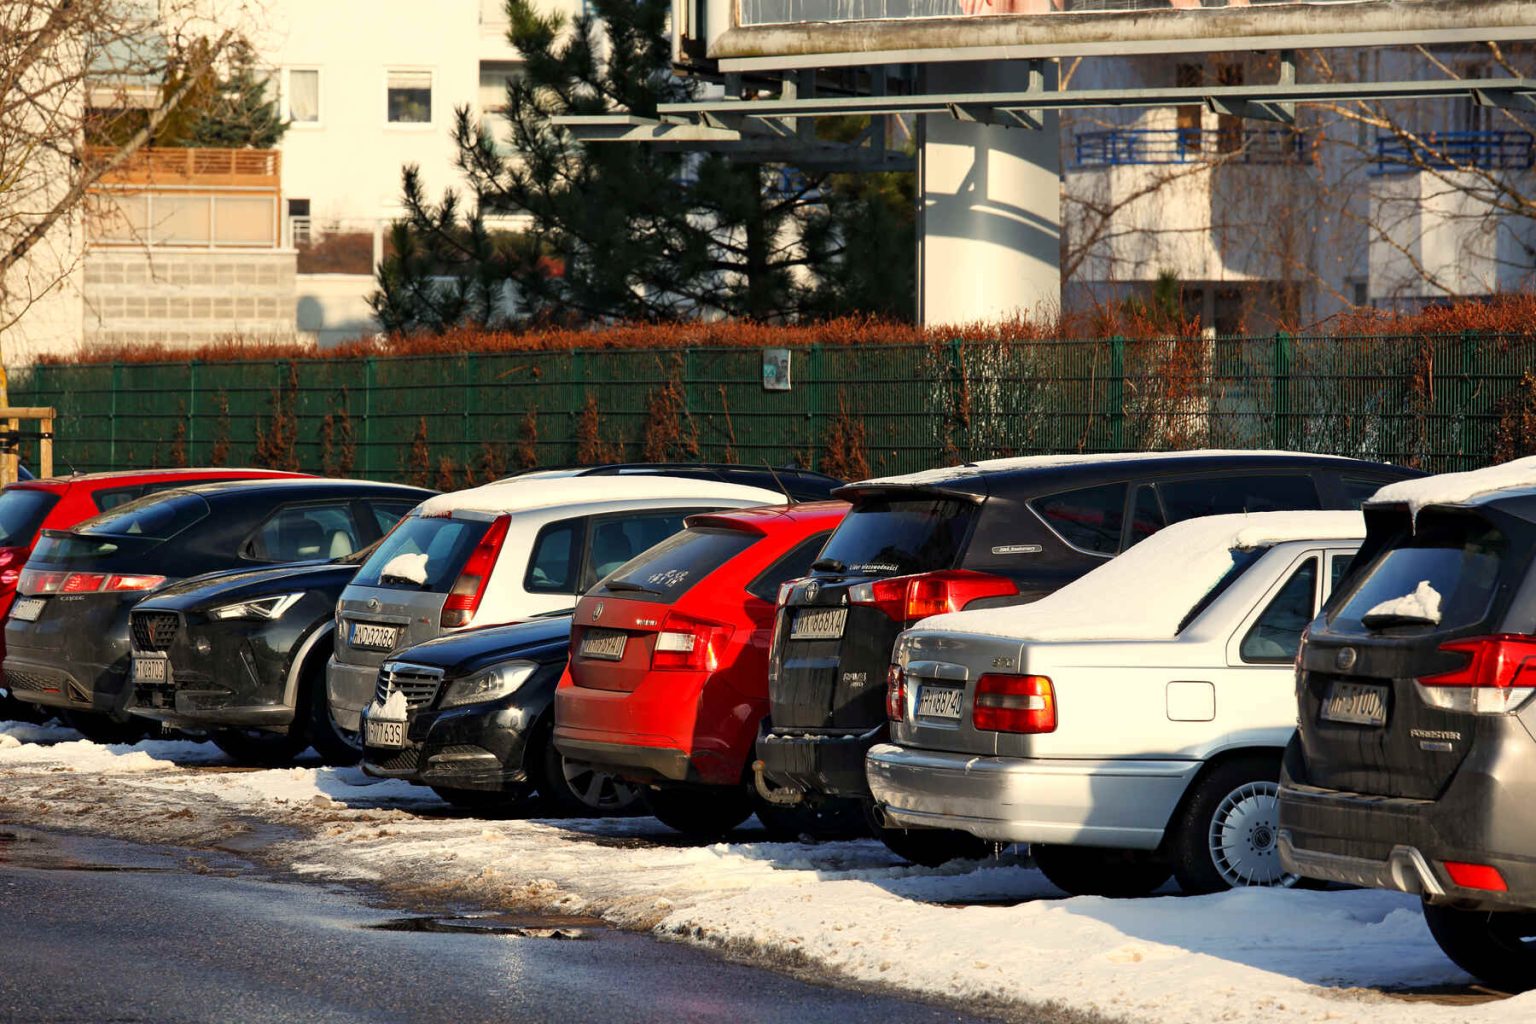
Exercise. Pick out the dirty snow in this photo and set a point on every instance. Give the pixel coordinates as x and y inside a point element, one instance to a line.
<point>1151,587</point>
<point>411,567</point>
<point>1457,488</point>
<point>1423,603</point>
<point>993,930</point>
<point>392,709</point>
<point>933,476</point>
<point>517,494</point>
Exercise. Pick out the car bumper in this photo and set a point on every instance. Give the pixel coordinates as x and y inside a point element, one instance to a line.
<point>832,765</point>
<point>349,689</point>
<point>472,747</point>
<point>78,687</point>
<point>1125,804</point>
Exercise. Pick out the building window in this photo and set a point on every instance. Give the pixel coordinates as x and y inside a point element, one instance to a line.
<point>410,97</point>
<point>304,95</point>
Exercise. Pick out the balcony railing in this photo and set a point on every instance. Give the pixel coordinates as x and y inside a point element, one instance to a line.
<point>1486,150</point>
<point>204,198</point>
<point>1127,147</point>
<point>230,168</point>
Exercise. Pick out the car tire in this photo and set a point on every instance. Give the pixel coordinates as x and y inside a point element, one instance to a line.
<point>577,791</point>
<point>263,749</point>
<point>702,813</point>
<point>104,729</point>
<point>1100,871</point>
<point>490,802</point>
<point>825,819</point>
<point>314,710</point>
<point>1226,834</point>
<point>1492,946</point>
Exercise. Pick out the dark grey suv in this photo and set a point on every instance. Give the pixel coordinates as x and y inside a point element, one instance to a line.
<point>1414,767</point>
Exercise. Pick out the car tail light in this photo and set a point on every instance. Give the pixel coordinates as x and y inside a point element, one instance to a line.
<point>1476,876</point>
<point>908,598</point>
<point>1498,677</point>
<point>687,644</point>
<point>39,581</point>
<point>1007,703</point>
<point>468,590</point>
<point>121,584</point>
<point>42,582</point>
<point>895,693</point>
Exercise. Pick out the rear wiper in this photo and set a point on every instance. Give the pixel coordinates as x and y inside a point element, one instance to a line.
<point>418,584</point>
<point>627,585</point>
<point>1386,620</point>
<point>829,565</point>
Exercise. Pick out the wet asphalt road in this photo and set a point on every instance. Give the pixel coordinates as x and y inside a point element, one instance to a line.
<point>101,931</point>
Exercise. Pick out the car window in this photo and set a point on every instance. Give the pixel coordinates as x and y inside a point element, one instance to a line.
<point>1214,496</point>
<point>1358,490</point>
<point>1276,635</point>
<point>157,517</point>
<point>445,541</point>
<point>1338,565</point>
<point>1146,514</point>
<point>388,513</point>
<point>22,511</point>
<point>670,569</point>
<point>553,565</point>
<point>614,540</point>
<point>303,532</point>
<point>790,566</point>
<point>1242,561</point>
<point>881,537</point>
<point>1458,557</point>
<point>1090,518</point>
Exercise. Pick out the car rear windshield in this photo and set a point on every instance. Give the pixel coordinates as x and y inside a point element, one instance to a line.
<point>154,517</point>
<point>670,569</point>
<point>1459,557</point>
<point>446,543</point>
<point>889,537</point>
<point>22,510</point>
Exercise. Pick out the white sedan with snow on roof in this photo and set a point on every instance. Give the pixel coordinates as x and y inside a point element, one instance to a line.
<point>1131,724</point>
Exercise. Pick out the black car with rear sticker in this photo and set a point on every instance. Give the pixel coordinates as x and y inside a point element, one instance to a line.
<point>1007,531</point>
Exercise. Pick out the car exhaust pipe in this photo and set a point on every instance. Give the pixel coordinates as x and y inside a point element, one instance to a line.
<point>781,796</point>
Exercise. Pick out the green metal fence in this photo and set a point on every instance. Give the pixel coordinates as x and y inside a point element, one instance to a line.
<point>1440,403</point>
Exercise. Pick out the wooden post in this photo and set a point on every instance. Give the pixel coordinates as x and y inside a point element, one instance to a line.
<point>10,458</point>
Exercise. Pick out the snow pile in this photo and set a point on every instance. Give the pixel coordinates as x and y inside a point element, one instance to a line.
<point>934,476</point>
<point>392,709</point>
<point>1145,593</point>
<point>411,567</point>
<point>1457,488</point>
<point>1423,603</point>
<point>14,734</point>
<point>518,494</point>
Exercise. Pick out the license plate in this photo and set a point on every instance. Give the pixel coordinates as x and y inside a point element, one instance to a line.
<point>940,702</point>
<point>28,609</point>
<point>150,670</point>
<point>384,733</point>
<point>378,637</point>
<point>603,644</point>
<point>818,624</point>
<point>1356,704</point>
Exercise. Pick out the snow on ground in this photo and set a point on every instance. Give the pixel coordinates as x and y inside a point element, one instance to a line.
<point>995,931</point>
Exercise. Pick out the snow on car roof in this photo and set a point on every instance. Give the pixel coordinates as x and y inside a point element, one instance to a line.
<point>1145,593</point>
<point>934,476</point>
<point>1457,488</point>
<point>520,493</point>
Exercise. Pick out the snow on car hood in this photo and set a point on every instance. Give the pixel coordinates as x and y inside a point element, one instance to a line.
<point>935,476</point>
<point>517,494</point>
<point>1457,488</point>
<point>1145,593</point>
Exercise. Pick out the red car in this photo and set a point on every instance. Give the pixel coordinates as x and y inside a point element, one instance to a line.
<point>31,506</point>
<point>668,676</point>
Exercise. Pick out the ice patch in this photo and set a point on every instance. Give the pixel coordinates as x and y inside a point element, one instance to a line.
<point>1423,603</point>
<point>409,567</point>
<point>1457,488</point>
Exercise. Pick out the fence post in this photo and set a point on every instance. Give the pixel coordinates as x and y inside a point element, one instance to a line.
<point>1117,393</point>
<point>192,459</point>
<point>470,364</point>
<point>368,417</point>
<point>117,384</point>
<point>1467,437</point>
<point>962,432</point>
<point>812,410</point>
<point>1280,390</point>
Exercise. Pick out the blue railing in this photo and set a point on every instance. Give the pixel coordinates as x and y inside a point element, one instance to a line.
<point>1488,151</point>
<point>1123,147</point>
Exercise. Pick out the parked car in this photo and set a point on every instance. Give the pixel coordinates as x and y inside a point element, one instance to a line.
<point>668,677</point>
<point>67,638</point>
<point>31,506</point>
<point>983,535</point>
<point>798,484</point>
<point>1413,767</point>
<point>502,553</point>
<point>1127,726</point>
<point>477,713</point>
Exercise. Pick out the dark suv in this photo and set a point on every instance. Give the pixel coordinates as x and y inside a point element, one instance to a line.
<point>991,533</point>
<point>1413,766</point>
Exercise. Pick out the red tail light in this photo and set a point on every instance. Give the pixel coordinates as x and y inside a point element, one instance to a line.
<point>1476,876</point>
<point>688,644</point>
<point>895,693</point>
<point>468,590</point>
<point>1007,703</point>
<point>41,581</point>
<point>908,598</point>
<point>1499,675</point>
<point>11,561</point>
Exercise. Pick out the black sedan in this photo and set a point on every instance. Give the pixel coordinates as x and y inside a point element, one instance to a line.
<point>242,655</point>
<point>67,638</point>
<point>471,715</point>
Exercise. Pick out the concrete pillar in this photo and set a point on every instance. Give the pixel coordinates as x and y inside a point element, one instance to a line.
<point>989,224</point>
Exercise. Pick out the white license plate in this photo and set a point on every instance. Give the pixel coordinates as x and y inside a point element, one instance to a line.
<point>1356,704</point>
<point>605,645</point>
<point>28,609</point>
<point>384,733</point>
<point>150,670</point>
<point>940,702</point>
<point>818,624</point>
<point>381,638</point>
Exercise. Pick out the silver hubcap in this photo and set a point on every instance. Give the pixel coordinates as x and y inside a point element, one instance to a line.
<point>1243,835</point>
<point>598,790</point>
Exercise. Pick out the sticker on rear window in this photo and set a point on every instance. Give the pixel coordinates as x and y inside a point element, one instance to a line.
<point>1017,549</point>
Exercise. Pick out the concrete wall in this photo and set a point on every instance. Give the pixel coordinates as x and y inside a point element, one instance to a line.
<point>184,298</point>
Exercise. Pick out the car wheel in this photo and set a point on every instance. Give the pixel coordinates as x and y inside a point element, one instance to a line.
<point>99,728</point>
<point>702,812</point>
<point>314,710</point>
<point>1100,871</point>
<point>578,790</point>
<point>267,749</point>
<point>1226,836</point>
<point>1497,947</point>
<point>825,819</point>
<point>484,801</point>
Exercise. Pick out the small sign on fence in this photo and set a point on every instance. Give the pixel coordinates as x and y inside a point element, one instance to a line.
<point>776,369</point>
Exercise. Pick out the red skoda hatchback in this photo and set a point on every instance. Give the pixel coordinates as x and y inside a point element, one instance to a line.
<point>668,677</point>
